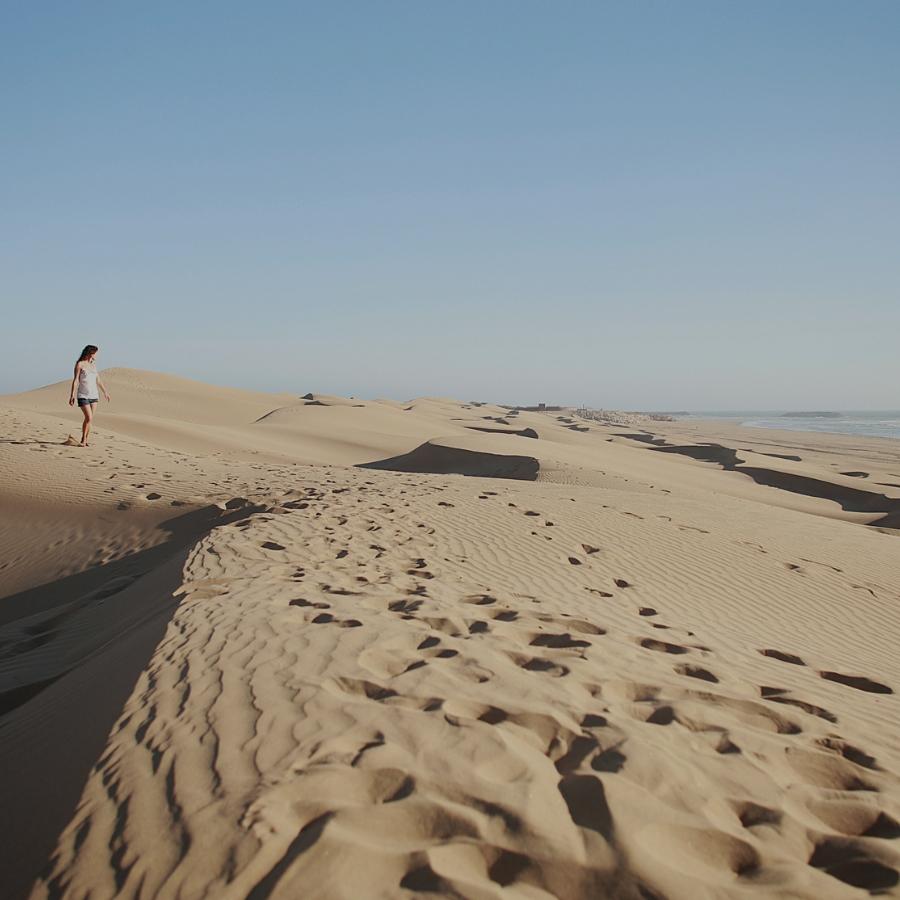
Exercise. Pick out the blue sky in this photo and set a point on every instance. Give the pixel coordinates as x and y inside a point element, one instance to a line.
<point>641,204</point>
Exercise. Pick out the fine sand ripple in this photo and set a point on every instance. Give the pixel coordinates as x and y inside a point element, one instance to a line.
<point>235,663</point>
<point>355,691</point>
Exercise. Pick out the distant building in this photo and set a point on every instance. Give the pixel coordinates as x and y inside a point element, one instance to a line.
<point>541,407</point>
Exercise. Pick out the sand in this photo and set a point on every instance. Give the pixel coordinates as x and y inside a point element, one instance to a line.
<point>257,645</point>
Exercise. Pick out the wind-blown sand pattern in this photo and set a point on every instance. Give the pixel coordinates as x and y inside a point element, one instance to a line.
<point>600,663</point>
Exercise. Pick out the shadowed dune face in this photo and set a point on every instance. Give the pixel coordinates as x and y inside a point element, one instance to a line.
<point>439,460</point>
<point>524,432</point>
<point>645,438</point>
<point>791,456</point>
<point>72,651</point>
<point>850,499</point>
<point>726,457</point>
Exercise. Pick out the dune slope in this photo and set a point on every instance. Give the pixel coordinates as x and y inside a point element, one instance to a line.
<point>629,673</point>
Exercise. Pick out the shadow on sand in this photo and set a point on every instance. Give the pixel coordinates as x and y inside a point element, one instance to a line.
<point>850,499</point>
<point>437,459</point>
<point>53,729</point>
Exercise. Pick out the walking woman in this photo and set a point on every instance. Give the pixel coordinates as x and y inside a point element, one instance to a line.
<point>85,384</point>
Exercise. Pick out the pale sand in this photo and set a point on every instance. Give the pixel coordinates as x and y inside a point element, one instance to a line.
<point>235,665</point>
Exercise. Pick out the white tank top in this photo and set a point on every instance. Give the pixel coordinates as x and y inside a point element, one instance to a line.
<point>87,382</point>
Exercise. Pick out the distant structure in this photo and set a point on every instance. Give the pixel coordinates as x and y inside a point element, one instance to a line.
<point>618,417</point>
<point>541,407</point>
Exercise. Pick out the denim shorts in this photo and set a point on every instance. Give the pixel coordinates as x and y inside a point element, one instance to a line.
<point>86,401</point>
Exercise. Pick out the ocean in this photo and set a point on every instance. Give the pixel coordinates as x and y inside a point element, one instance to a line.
<point>880,423</point>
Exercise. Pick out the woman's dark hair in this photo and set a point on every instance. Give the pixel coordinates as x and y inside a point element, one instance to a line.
<point>88,352</point>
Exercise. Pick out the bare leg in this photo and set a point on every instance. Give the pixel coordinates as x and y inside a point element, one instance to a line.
<point>88,410</point>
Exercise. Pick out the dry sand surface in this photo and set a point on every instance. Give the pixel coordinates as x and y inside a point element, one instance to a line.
<point>257,645</point>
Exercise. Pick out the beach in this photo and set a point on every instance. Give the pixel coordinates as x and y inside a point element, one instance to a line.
<point>884,423</point>
<point>285,645</point>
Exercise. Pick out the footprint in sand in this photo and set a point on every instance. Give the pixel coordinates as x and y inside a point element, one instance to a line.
<point>558,641</point>
<point>777,695</point>
<point>848,751</point>
<point>860,682</point>
<point>696,672</point>
<point>584,627</point>
<point>300,601</point>
<point>662,646</point>
<point>752,815</point>
<point>506,616</point>
<point>611,760</point>
<point>754,545</point>
<point>854,863</point>
<point>539,664</point>
<point>783,657</point>
<point>480,599</point>
<point>405,607</point>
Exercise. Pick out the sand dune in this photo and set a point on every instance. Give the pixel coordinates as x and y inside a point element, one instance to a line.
<point>261,645</point>
<point>164,396</point>
<point>441,460</point>
<point>849,498</point>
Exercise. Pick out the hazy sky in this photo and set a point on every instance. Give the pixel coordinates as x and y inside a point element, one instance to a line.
<point>685,205</point>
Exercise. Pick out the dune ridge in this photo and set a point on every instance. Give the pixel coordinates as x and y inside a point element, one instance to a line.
<point>582,670</point>
<point>437,459</point>
<point>850,498</point>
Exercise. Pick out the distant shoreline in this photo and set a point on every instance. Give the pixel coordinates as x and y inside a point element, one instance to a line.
<point>884,424</point>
